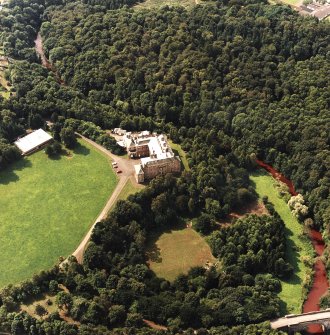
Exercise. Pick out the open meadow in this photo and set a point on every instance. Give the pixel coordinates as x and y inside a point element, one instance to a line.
<point>176,251</point>
<point>47,206</point>
<point>150,4</point>
<point>154,4</point>
<point>298,247</point>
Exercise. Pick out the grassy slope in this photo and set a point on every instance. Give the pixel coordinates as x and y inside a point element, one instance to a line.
<point>47,206</point>
<point>297,248</point>
<point>151,4</point>
<point>288,2</point>
<point>179,152</point>
<point>128,189</point>
<point>176,251</point>
<point>154,4</point>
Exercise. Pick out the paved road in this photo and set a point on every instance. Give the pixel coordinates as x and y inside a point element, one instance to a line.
<point>127,168</point>
<point>300,319</point>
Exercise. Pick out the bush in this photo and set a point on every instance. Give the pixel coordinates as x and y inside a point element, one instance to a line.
<point>204,224</point>
<point>53,149</point>
<point>40,310</point>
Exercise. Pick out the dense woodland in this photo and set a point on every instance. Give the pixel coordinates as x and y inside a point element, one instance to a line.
<point>230,81</point>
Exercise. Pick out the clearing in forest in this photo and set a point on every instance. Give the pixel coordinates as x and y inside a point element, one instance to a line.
<point>176,251</point>
<point>154,4</point>
<point>5,88</point>
<point>295,3</point>
<point>47,206</point>
<point>298,246</point>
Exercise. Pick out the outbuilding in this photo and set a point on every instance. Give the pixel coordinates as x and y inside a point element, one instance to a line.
<point>33,142</point>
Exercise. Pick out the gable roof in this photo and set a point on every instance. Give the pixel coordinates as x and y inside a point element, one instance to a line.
<point>33,140</point>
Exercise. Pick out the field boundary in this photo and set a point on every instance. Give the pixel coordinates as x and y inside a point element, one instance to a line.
<point>123,179</point>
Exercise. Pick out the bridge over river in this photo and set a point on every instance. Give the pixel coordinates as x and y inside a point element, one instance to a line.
<point>299,322</point>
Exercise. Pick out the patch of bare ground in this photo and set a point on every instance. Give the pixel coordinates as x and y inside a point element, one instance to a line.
<point>63,315</point>
<point>256,207</point>
<point>48,303</point>
<point>153,325</point>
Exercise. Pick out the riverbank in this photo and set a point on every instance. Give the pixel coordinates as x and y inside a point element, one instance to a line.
<point>44,61</point>
<point>299,248</point>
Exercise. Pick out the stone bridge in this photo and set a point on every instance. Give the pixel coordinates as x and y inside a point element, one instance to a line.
<point>298,322</point>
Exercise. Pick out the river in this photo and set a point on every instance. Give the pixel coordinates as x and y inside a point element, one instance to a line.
<point>44,61</point>
<point>320,283</point>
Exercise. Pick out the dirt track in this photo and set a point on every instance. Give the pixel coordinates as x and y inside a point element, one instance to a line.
<point>127,168</point>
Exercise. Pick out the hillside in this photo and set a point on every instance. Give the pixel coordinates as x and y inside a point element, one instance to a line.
<point>229,82</point>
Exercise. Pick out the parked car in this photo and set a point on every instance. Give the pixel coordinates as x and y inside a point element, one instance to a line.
<point>119,171</point>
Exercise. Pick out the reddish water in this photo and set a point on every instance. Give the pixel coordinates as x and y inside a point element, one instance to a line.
<point>44,61</point>
<point>277,175</point>
<point>320,284</point>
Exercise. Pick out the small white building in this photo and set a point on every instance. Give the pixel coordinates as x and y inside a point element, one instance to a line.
<point>33,142</point>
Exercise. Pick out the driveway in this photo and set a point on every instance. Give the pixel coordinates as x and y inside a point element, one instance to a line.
<point>127,168</point>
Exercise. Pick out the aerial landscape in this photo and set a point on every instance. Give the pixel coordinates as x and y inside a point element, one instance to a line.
<point>164,167</point>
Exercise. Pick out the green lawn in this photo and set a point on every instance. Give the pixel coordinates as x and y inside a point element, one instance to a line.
<point>297,248</point>
<point>47,206</point>
<point>5,94</point>
<point>292,2</point>
<point>150,4</point>
<point>154,4</point>
<point>179,152</point>
<point>128,189</point>
<point>287,2</point>
<point>176,251</point>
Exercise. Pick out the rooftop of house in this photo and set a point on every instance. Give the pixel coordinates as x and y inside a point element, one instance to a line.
<point>33,140</point>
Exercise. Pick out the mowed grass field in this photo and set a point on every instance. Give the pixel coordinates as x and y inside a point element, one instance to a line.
<point>296,247</point>
<point>176,251</point>
<point>47,206</point>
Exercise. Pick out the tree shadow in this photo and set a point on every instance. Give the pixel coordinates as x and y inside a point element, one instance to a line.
<point>292,256</point>
<point>283,307</point>
<point>56,157</point>
<point>8,175</point>
<point>153,254</point>
<point>257,173</point>
<point>176,153</point>
<point>81,150</point>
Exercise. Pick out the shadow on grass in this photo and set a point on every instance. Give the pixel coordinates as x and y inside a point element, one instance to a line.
<point>176,153</point>
<point>283,307</point>
<point>292,251</point>
<point>81,150</point>
<point>152,250</point>
<point>8,175</point>
<point>57,157</point>
<point>259,172</point>
<point>292,255</point>
<point>153,254</point>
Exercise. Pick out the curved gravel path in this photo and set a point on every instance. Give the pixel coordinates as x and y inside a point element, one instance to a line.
<point>127,168</point>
